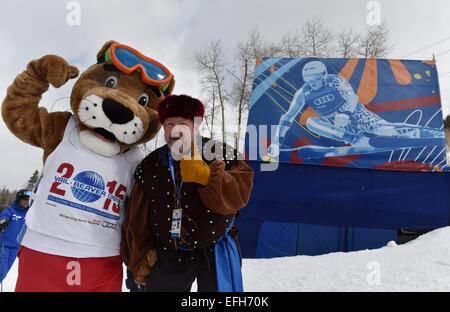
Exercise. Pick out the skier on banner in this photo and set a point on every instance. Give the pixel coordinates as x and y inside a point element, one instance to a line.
<point>343,118</point>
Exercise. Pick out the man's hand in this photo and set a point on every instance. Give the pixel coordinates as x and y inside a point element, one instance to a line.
<point>195,169</point>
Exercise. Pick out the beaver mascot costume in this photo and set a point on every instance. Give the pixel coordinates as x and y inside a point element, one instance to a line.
<point>71,240</point>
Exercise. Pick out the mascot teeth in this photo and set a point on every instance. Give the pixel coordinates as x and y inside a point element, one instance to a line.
<point>92,114</point>
<point>129,133</point>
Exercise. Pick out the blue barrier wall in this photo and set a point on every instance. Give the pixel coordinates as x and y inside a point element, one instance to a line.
<point>310,210</point>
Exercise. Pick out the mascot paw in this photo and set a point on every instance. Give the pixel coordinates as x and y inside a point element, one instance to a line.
<point>55,70</point>
<point>144,269</point>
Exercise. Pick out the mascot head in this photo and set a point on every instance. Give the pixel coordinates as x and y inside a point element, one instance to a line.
<point>115,101</point>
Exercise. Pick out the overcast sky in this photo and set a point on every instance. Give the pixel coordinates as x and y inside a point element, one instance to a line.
<point>171,31</point>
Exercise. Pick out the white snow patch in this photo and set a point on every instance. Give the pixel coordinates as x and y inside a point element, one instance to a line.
<point>392,244</point>
<point>420,265</point>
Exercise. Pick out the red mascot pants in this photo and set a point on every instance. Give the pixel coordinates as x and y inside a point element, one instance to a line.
<point>44,272</point>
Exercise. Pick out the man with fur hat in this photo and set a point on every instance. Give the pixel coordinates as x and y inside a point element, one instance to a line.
<point>180,217</point>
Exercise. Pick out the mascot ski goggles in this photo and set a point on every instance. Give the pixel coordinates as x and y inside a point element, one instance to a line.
<point>128,60</point>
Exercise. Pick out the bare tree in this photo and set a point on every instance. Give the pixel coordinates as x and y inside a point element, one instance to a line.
<point>291,45</point>
<point>213,75</point>
<point>247,54</point>
<point>347,43</point>
<point>375,41</point>
<point>210,100</point>
<point>317,39</point>
<point>256,45</point>
<point>240,92</point>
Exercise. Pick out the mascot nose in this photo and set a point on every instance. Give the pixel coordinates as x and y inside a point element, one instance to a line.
<point>116,112</point>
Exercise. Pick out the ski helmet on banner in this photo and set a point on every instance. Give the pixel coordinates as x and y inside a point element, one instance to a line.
<point>314,74</point>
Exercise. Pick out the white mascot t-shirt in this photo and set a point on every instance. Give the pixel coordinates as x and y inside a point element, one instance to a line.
<point>78,207</point>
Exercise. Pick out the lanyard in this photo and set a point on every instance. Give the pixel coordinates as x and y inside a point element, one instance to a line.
<point>177,213</point>
<point>172,172</point>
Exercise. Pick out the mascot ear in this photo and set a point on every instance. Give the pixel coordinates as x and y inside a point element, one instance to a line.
<point>102,52</point>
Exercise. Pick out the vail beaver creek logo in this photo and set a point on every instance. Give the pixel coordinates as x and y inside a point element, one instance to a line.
<point>88,187</point>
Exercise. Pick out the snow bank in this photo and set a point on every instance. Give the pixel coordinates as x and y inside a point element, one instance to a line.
<point>420,265</point>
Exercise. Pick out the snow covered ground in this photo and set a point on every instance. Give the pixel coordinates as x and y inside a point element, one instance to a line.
<point>420,265</point>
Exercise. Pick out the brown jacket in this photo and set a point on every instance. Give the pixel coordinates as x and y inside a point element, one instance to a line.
<point>206,210</point>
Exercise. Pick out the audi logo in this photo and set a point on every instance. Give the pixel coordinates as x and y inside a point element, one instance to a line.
<point>324,99</point>
<point>109,225</point>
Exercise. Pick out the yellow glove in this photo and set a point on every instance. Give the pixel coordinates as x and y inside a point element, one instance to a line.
<point>195,169</point>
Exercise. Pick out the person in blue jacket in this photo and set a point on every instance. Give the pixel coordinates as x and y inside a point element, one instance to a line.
<point>12,220</point>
